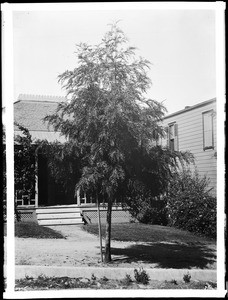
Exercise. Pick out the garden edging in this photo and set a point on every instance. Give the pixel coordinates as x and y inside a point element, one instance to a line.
<point>112,273</point>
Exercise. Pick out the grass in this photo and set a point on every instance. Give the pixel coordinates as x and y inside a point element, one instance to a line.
<point>138,232</point>
<point>159,246</point>
<point>48,283</point>
<point>33,230</point>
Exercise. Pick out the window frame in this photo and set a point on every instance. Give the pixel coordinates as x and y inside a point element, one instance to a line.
<point>212,130</point>
<point>175,136</point>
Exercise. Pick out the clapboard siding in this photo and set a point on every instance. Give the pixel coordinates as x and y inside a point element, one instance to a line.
<point>190,137</point>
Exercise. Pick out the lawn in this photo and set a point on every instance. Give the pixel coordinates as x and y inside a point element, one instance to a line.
<point>33,230</point>
<point>138,232</point>
<point>152,245</point>
<point>160,246</point>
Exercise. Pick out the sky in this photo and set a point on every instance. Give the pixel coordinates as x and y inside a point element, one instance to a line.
<point>180,44</point>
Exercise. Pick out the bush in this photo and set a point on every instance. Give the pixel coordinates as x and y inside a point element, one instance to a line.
<point>141,276</point>
<point>190,205</point>
<point>148,209</point>
<point>151,211</point>
<point>187,277</point>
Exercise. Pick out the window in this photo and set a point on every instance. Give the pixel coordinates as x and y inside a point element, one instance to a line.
<point>208,142</point>
<point>173,137</point>
<point>85,198</point>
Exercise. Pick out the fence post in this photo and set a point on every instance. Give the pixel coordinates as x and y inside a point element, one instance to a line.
<point>36,180</point>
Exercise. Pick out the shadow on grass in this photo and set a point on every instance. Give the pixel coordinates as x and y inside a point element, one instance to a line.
<point>176,256</point>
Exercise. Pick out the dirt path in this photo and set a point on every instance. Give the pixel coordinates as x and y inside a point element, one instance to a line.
<point>81,248</point>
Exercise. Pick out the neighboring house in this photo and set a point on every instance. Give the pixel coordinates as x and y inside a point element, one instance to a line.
<point>29,111</point>
<point>194,129</point>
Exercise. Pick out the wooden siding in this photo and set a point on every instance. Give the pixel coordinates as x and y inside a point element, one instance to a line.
<point>190,137</point>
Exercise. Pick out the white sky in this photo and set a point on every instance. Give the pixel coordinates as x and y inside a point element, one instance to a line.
<point>180,44</point>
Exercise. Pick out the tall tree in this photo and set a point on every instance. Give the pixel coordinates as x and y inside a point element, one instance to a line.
<point>112,122</point>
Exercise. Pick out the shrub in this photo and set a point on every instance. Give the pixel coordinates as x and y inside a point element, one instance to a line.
<point>148,209</point>
<point>127,280</point>
<point>152,212</point>
<point>104,279</point>
<point>93,277</point>
<point>187,278</point>
<point>141,276</point>
<point>174,281</point>
<point>190,205</point>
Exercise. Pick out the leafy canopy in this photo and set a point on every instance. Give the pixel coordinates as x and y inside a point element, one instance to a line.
<point>110,120</point>
<point>63,161</point>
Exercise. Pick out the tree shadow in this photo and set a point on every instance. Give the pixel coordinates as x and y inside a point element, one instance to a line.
<point>164,255</point>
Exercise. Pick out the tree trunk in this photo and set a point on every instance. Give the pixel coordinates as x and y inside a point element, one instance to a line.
<point>107,257</point>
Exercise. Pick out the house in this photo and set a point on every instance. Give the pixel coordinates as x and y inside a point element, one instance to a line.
<point>194,128</point>
<point>51,205</point>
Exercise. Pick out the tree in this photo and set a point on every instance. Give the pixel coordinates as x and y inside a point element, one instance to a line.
<point>24,164</point>
<point>64,163</point>
<point>111,121</point>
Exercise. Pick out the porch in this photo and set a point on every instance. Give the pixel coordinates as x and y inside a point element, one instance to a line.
<point>71,214</point>
<point>50,204</point>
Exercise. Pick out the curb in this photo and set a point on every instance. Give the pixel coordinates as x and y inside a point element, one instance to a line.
<point>112,273</point>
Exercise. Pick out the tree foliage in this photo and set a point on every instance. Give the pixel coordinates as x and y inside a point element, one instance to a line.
<point>64,163</point>
<point>111,121</point>
<point>24,167</point>
<point>24,163</point>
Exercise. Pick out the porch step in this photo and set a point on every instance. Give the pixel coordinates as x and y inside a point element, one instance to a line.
<point>60,222</point>
<point>65,215</point>
<point>48,210</point>
<point>59,215</point>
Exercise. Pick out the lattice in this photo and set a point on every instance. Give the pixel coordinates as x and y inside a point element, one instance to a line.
<point>26,216</point>
<point>117,215</point>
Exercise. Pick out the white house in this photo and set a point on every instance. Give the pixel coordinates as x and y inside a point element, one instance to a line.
<point>194,129</point>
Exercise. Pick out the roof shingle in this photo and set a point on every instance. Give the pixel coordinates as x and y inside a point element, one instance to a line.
<point>29,111</point>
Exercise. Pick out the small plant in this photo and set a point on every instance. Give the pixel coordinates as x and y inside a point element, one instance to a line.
<point>187,278</point>
<point>93,277</point>
<point>174,281</point>
<point>127,280</point>
<point>141,276</point>
<point>42,277</point>
<point>209,286</point>
<point>104,278</point>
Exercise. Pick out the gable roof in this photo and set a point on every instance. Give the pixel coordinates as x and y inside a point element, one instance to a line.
<point>29,111</point>
<point>188,108</point>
